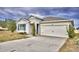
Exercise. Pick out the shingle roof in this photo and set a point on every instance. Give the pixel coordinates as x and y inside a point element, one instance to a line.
<point>55,19</point>
<point>50,18</point>
<point>27,18</point>
<point>45,19</point>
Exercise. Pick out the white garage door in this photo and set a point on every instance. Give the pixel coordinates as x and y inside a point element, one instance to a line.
<point>51,30</point>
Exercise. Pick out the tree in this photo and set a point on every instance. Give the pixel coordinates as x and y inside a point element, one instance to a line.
<point>71,32</point>
<point>2,23</point>
<point>11,25</point>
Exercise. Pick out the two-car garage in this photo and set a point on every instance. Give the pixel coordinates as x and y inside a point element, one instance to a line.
<point>54,29</point>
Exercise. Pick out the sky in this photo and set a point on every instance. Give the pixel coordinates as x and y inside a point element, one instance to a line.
<point>71,13</point>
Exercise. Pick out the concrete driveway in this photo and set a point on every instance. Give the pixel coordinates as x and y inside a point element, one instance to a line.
<point>33,44</point>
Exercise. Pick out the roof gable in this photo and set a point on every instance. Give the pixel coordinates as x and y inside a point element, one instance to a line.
<point>22,20</point>
<point>34,17</point>
<point>27,18</point>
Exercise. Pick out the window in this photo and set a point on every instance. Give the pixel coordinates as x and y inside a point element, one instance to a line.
<point>22,27</point>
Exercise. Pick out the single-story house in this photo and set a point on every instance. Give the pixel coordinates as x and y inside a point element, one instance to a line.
<point>48,26</point>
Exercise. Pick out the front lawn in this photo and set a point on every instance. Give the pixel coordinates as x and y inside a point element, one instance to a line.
<point>7,36</point>
<point>71,45</point>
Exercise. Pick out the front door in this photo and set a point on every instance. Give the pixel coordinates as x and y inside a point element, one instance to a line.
<point>37,28</point>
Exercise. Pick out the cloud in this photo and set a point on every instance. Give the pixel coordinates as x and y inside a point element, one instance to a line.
<point>9,10</point>
<point>16,12</point>
<point>66,14</point>
<point>3,12</point>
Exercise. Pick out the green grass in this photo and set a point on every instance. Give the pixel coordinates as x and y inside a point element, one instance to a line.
<point>8,36</point>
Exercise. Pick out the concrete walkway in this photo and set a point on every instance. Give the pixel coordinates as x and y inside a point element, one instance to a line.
<point>33,44</point>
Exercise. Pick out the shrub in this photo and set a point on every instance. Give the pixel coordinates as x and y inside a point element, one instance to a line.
<point>71,32</point>
<point>11,25</point>
<point>33,29</point>
<point>23,33</point>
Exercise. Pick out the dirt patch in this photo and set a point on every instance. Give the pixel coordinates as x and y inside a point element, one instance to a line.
<point>70,46</point>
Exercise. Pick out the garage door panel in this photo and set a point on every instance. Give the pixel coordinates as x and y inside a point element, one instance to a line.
<point>54,30</point>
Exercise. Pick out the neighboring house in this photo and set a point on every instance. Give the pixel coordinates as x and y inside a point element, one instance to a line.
<point>76,30</point>
<point>3,29</point>
<point>48,26</point>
